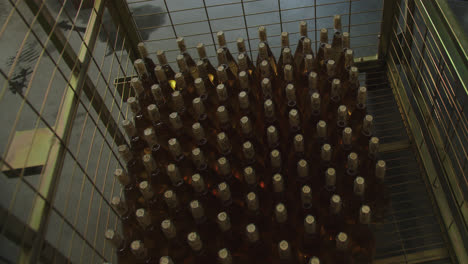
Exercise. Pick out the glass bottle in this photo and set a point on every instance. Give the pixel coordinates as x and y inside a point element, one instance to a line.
<point>334,221</point>
<point>342,252</point>
<point>309,242</point>
<point>224,73</point>
<point>359,110</point>
<point>151,233</point>
<point>298,54</point>
<point>159,126</point>
<point>224,256</point>
<point>134,166</point>
<point>161,102</point>
<point>257,250</point>
<point>264,51</point>
<point>329,188</point>
<point>285,253</point>
<point>129,186</point>
<point>121,245</point>
<point>174,243</point>
<point>185,71</point>
<point>230,237</point>
<point>137,144</point>
<point>149,64</point>
<point>200,254</point>
<point>152,169</point>
<point>141,253</point>
<point>188,59</point>
<point>167,85</point>
<point>168,71</point>
<point>140,118</point>
<point>145,77</point>
<point>230,59</point>
<point>363,250</point>
<point>143,95</point>
<point>245,63</point>
<point>281,224</point>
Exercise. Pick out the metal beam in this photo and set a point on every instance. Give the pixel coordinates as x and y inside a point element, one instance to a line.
<point>390,8</point>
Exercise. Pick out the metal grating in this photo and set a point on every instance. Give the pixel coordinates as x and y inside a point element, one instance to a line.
<point>61,111</point>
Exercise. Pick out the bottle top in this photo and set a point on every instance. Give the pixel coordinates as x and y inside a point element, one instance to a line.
<point>252,233</point>
<point>287,58</point>
<point>198,158</point>
<point>315,106</point>
<point>243,100</point>
<point>244,80</point>
<point>194,241</point>
<point>201,69</point>
<point>380,168</point>
<point>266,88</point>
<point>140,67</point>
<point>349,59</point>
<point>177,101</point>
<point>278,183</point>
<point>359,186</point>
<point>353,161</point>
<point>224,193</point>
<point>175,121</point>
<point>125,153</point>
<point>288,72</point>
<point>181,44</point>
<point>373,146</point>
<point>174,174</point>
<point>119,205</point>
<point>242,61</point>
<point>365,215</point>
<point>137,85</point>
<point>281,214</point>
<point>367,125</point>
<point>149,163</point>
<point>160,74</point>
<point>160,54</point>
<point>298,143</point>
<point>291,93</point>
<point>335,88</point>
<point>198,107</point>
<point>284,39</point>
<point>224,166</point>
<point>122,176</point>
<point>170,198</point>
<point>262,52</point>
<point>308,59</point>
<point>248,150</point>
<point>200,86</point>
<point>222,59</point>
<point>342,241</point>
<point>323,35</point>
<point>174,147</point>
<point>313,80</point>
<point>138,249</point>
<point>249,175</point>
<point>201,50</point>
<point>314,260</point>
<point>330,177</point>
<point>275,158</point>
<point>272,135</point>
<point>326,152</point>
<point>294,120</point>
<point>302,168</point>
<point>310,225</point>
<point>222,73</point>
<point>142,50</point>
<point>221,91</point>
<point>330,67</point>
<point>168,229</point>
<point>262,33</point>
<point>223,142</point>
<point>198,183</point>
<point>143,217</point>
<point>129,128</point>
<point>221,38</point>
<point>345,40</point>
<point>165,260</point>
<point>153,112</point>
<point>241,45</point>
<point>222,114</point>
<point>337,22</point>
<point>307,48</point>
<point>134,105</point>
<point>361,97</point>
<point>196,209</point>
<point>224,223</point>
<point>342,115</point>
<point>306,195</point>
<point>157,93</point>
<point>269,109</point>
<point>303,28</point>
<point>114,238</point>
<point>347,136</point>
<point>252,201</point>
<point>224,256</point>
<point>182,64</point>
<point>335,204</point>
<point>198,131</point>
<point>284,250</point>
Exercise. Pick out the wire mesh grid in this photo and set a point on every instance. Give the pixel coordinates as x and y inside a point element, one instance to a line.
<point>63,58</point>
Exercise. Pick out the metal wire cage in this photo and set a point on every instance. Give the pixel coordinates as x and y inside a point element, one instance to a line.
<point>65,73</point>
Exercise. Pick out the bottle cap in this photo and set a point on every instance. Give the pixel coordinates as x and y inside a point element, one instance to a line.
<point>198,158</point>
<point>246,125</point>
<point>278,183</point>
<point>298,143</point>
<point>264,66</point>
<point>336,89</point>
<point>142,50</point>
<point>315,105</point>
<point>262,51</point>
<point>285,39</point>
<point>138,249</point>
<point>365,215</point>
<point>222,114</point>
<point>165,260</point>
<point>242,62</point>
<point>288,60</point>
<point>198,107</point>
<point>288,72</point>
<point>342,241</point>
<point>310,225</point>
<point>175,121</point>
<point>281,214</point>
<point>153,113</point>
<point>241,45</point>
<point>349,58</point>
<point>327,52</point>
<point>221,91</point>
<point>367,125</point>
<point>330,67</point>
<point>337,22</point>
<point>224,166</point>
<point>266,88</point>
<point>307,49</point>
<point>223,142</point>
<point>308,59</point>
<point>221,71</point>
<point>125,153</point>
<point>224,222</point>
<point>342,116</point>
<point>252,201</point>
<point>294,120</point>
<point>198,131</point>
<point>326,152</point>
<point>201,50</point>
<point>313,80</point>
<point>194,241</point>
<point>302,168</point>
<point>224,193</point>
<point>137,86</point>
<point>269,109</point>
<point>330,177</point>
<point>221,38</point>
<point>140,67</point>
<point>175,148</point>
<point>143,217</point>
<point>202,72</point>
<point>380,168</point>
<point>359,186</point>
<point>197,210</point>
<point>353,161</point>
<point>181,44</point>
<point>323,35</point>
<point>335,204</point>
<point>129,128</point>
<point>170,198</point>
<point>272,136</point>
<point>174,175</point>
<point>157,93</point>
<point>122,176</point>
<point>182,64</point>
<point>284,250</point>
<point>243,100</point>
<point>306,196</point>
<point>134,105</point>
<point>303,28</point>
<point>244,80</point>
<point>149,163</point>
<point>249,176</point>
<point>177,101</point>
<point>160,74</point>
<point>290,93</point>
<point>373,146</point>
<point>347,136</point>
<point>362,97</point>
<point>252,233</point>
<point>160,54</point>
<point>168,229</point>
<point>146,190</point>
<point>345,40</point>
<point>114,238</point>
<point>275,159</point>
<point>262,33</point>
<point>198,184</point>
<point>224,256</point>
<point>248,150</point>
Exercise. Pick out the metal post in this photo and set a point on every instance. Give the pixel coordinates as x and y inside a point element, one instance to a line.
<point>390,8</point>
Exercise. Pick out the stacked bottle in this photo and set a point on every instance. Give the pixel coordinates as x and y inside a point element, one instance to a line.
<point>240,162</point>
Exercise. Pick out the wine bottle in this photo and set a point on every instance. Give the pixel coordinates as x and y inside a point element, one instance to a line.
<point>256,248</point>
<point>298,54</point>
<point>151,234</point>
<point>282,224</point>
<point>285,253</point>
<point>126,216</point>
<point>342,252</point>
<point>188,59</point>
<point>165,260</point>
<point>200,254</point>
<point>224,256</point>
<point>359,110</point>
<point>174,243</point>
<point>134,166</point>
<point>168,71</point>
<point>245,63</point>
<point>310,240</point>
<point>264,50</point>
<point>159,126</point>
<point>329,188</point>
<point>363,249</point>
<point>128,183</point>
<point>152,168</point>
<point>186,73</point>
<point>141,253</point>
<point>334,219</point>
<point>211,71</point>
<point>145,77</point>
<point>345,40</point>
<point>161,101</point>
<point>275,161</point>
<point>284,45</point>
<point>224,73</point>
<point>137,144</point>
<point>149,64</point>
<point>140,118</point>
<point>120,245</point>
<point>229,238</point>
<point>230,59</point>
<point>167,85</point>
<point>278,188</point>
<point>143,95</point>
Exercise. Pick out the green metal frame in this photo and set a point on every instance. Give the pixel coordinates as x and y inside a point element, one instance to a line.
<point>425,137</point>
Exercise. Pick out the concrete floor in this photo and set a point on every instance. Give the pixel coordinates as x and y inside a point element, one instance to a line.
<point>35,76</point>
